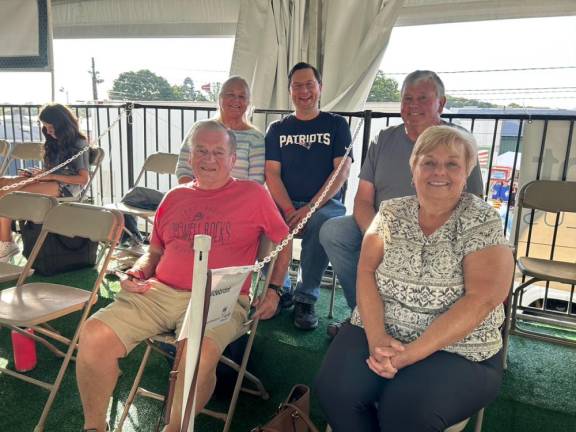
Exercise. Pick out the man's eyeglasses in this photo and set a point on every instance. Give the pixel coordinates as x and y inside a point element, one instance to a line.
<point>310,85</point>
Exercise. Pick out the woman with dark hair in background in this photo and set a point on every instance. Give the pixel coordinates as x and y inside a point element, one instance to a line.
<point>63,140</point>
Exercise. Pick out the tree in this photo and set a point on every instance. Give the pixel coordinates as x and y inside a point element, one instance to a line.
<point>141,85</point>
<point>460,102</point>
<point>214,91</point>
<point>187,91</point>
<point>384,89</point>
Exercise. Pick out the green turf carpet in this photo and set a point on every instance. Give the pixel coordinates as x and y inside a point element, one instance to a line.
<point>537,394</point>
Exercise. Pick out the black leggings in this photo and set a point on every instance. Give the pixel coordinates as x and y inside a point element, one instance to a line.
<point>429,395</point>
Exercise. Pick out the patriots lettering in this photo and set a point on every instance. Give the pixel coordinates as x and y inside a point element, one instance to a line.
<point>305,140</point>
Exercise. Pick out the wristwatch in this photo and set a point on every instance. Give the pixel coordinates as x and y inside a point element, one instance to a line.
<point>277,289</point>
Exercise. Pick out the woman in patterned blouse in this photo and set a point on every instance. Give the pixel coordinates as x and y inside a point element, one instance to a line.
<point>423,349</point>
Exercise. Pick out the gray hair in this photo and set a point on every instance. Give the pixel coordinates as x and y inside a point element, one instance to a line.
<point>214,126</point>
<point>424,75</point>
<point>449,136</point>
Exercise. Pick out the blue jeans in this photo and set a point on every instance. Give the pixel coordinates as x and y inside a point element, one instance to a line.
<point>313,259</point>
<point>342,239</point>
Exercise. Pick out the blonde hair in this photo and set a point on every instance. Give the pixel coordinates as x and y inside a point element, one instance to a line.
<point>449,136</point>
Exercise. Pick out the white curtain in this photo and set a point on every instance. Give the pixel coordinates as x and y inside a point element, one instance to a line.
<point>344,39</point>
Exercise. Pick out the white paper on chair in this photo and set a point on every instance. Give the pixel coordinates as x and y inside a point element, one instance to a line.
<point>226,286</point>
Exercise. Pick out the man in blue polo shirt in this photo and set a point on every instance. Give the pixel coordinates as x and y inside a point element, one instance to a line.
<point>303,151</point>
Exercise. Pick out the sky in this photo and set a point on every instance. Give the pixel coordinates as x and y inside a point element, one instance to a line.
<point>545,45</point>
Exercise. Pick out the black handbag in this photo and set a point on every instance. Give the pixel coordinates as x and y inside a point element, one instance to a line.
<point>143,198</point>
<point>58,253</point>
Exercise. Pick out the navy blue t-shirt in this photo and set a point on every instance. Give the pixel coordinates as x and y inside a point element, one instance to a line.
<point>306,150</point>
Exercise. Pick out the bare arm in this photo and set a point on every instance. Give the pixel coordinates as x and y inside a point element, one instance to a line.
<point>276,186</point>
<point>371,307</point>
<point>79,179</point>
<point>484,291</point>
<point>142,270</point>
<point>369,302</point>
<point>266,308</point>
<point>147,263</point>
<point>364,205</point>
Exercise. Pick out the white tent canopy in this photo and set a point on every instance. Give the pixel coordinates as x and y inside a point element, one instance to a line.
<point>188,18</point>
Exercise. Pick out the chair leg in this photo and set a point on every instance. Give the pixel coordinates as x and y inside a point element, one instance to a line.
<point>479,419</point>
<point>58,381</point>
<point>240,378</point>
<point>134,389</point>
<point>332,295</point>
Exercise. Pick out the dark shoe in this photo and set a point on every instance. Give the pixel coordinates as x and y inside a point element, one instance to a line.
<point>305,316</point>
<point>286,300</point>
<point>333,329</point>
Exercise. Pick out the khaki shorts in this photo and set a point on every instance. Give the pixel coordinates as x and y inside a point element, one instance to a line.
<point>136,317</point>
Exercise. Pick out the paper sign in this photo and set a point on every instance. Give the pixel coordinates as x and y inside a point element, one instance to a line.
<point>226,285</point>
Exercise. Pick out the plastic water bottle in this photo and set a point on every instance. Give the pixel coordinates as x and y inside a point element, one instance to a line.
<point>24,349</point>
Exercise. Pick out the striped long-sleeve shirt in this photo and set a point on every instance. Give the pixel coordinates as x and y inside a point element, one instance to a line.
<point>249,156</point>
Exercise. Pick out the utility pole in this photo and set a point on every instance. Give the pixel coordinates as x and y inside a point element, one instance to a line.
<point>95,80</point>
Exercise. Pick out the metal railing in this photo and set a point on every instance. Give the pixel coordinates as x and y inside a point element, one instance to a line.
<point>543,146</point>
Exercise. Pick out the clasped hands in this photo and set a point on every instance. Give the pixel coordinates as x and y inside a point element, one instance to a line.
<point>293,216</point>
<point>387,358</point>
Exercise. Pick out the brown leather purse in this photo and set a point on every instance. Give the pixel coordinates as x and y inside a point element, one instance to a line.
<point>293,415</point>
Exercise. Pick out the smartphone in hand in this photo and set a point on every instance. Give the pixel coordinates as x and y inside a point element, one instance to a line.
<point>132,283</point>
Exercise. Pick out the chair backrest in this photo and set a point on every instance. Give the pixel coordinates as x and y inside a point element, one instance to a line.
<point>28,206</point>
<point>159,163</point>
<point>28,151</point>
<point>5,151</point>
<point>83,220</point>
<point>265,247</point>
<point>549,195</point>
<point>546,195</point>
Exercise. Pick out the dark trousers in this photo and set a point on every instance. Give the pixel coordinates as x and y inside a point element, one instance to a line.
<point>429,395</point>
<point>131,224</point>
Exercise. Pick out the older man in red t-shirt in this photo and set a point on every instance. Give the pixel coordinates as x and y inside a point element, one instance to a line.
<point>235,213</point>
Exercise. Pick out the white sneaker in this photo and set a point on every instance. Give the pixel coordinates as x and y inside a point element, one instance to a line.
<point>8,250</point>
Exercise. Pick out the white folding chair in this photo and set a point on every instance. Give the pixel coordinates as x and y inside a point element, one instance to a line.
<point>18,206</point>
<point>257,388</point>
<point>34,305</point>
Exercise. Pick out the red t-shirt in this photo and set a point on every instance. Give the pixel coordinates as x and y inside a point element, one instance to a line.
<point>234,215</point>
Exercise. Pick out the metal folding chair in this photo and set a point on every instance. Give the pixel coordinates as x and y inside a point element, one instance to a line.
<point>157,163</point>
<point>34,305</point>
<point>5,151</point>
<point>26,151</point>
<point>251,325</point>
<point>21,205</point>
<point>96,156</point>
<point>559,198</point>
